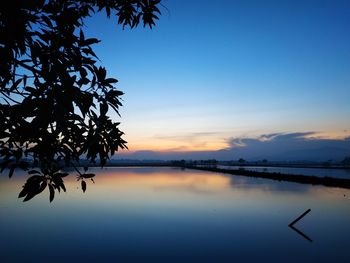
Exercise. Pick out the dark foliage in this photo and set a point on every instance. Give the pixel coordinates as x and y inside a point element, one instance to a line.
<point>54,99</point>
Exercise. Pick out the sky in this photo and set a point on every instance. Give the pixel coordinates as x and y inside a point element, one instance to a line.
<point>214,72</point>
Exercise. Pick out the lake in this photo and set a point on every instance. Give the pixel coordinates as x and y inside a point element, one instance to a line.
<point>173,215</point>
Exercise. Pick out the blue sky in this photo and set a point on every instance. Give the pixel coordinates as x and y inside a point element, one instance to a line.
<point>211,71</point>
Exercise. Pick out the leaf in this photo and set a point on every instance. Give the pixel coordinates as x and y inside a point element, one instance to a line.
<point>30,89</point>
<point>111,80</point>
<point>90,41</point>
<point>103,109</point>
<point>14,86</point>
<point>52,192</point>
<point>33,172</point>
<point>12,169</point>
<point>42,187</point>
<point>29,196</point>
<point>62,174</point>
<point>83,186</point>
<point>23,193</point>
<point>35,178</point>
<point>63,187</point>
<point>86,176</point>
<point>81,35</point>
<point>25,80</point>
<point>101,74</point>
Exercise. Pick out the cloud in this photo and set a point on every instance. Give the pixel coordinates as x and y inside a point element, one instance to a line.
<point>289,146</point>
<point>272,137</point>
<point>187,136</point>
<point>294,146</point>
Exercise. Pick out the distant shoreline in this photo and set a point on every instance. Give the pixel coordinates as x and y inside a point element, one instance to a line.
<point>295,178</point>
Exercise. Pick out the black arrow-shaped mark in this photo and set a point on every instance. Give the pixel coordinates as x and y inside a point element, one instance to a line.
<point>291,225</point>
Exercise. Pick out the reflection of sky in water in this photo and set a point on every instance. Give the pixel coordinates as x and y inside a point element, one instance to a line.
<point>170,215</point>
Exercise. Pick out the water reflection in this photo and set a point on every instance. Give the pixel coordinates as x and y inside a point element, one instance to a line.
<point>320,172</point>
<point>170,215</point>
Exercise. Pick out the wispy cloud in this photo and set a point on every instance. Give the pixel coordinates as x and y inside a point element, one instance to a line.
<point>187,136</point>
<point>190,141</point>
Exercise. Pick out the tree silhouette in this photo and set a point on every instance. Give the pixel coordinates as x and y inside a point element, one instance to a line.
<point>241,161</point>
<point>346,161</point>
<point>54,98</point>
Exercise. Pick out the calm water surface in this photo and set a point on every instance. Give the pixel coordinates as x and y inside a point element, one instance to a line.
<point>173,215</point>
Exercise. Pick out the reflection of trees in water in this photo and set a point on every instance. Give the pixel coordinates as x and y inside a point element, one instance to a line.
<point>321,172</point>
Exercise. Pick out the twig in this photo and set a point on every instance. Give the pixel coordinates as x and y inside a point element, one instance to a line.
<point>300,217</point>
